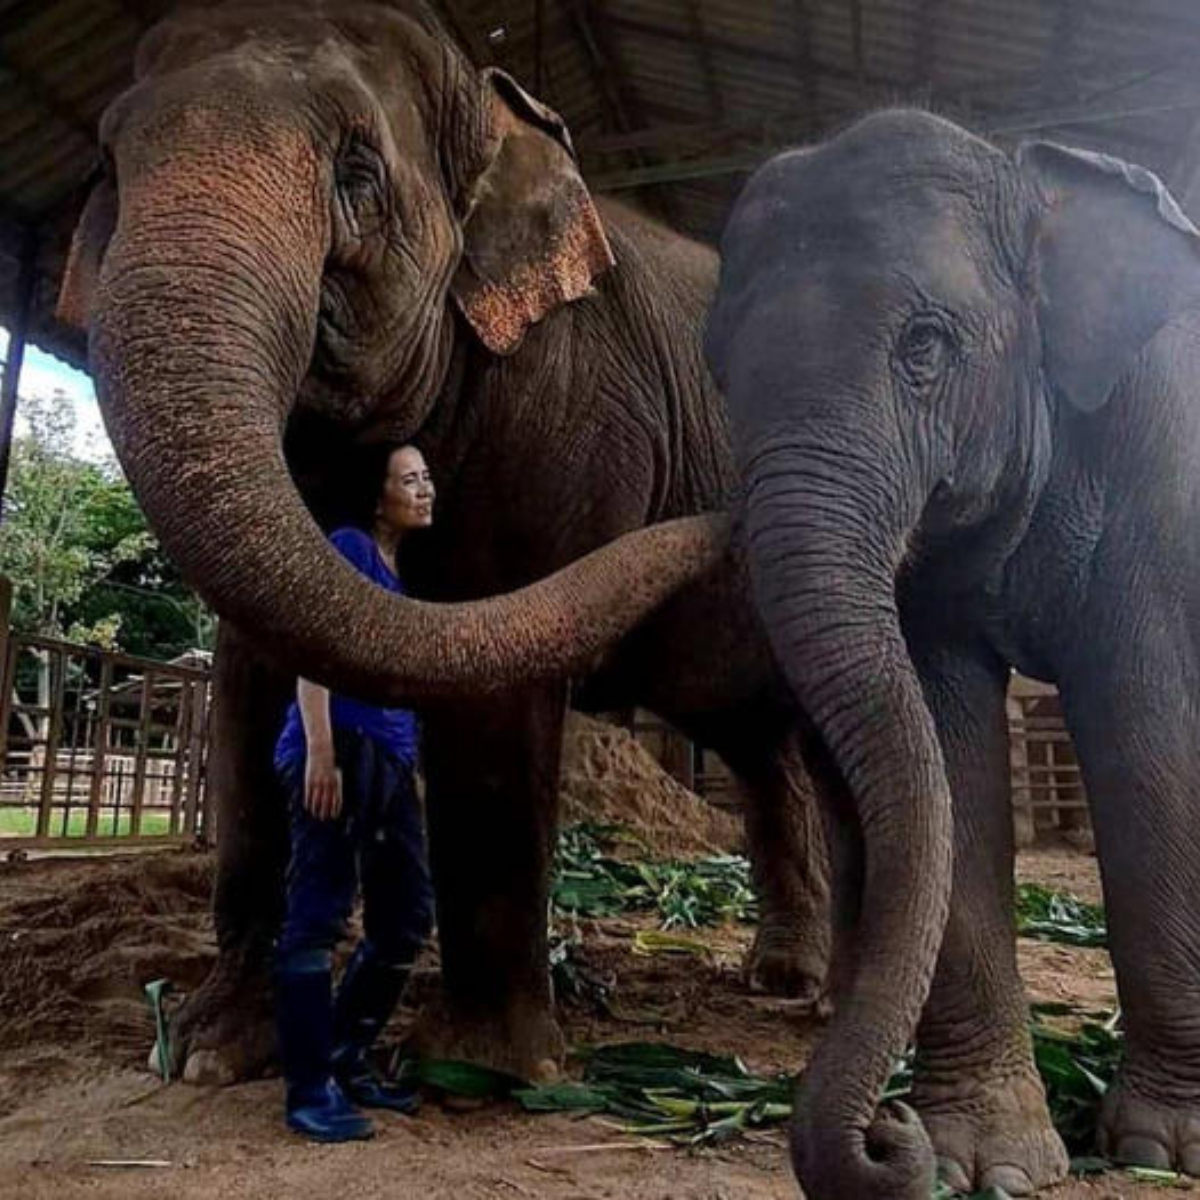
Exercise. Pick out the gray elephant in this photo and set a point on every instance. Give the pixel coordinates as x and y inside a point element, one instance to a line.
<point>963,390</point>
<point>322,214</point>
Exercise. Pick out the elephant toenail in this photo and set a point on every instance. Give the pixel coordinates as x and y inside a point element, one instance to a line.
<point>1143,1152</point>
<point>208,1068</point>
<point>1010,1180</point>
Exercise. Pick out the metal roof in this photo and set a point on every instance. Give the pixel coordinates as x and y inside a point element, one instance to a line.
<point>670,101</point>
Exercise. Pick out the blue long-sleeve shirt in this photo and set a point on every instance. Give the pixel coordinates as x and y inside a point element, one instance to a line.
<point>394,728</point>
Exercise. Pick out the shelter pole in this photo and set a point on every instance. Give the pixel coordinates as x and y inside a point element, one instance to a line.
<point>17,337</point>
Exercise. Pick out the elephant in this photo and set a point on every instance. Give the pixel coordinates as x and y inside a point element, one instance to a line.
<point>962,392</point>
<point>321,217</point>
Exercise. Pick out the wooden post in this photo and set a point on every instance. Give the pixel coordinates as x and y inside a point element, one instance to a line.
<point>18,334</point>
<point>140,752</point>
<point>196,824</point>
<point>53,737</point>
<point>183,716</point>
<point>99,747</point>
<point>6,671</point>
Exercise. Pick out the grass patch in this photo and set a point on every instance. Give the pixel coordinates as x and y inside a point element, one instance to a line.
<point>22,822</point>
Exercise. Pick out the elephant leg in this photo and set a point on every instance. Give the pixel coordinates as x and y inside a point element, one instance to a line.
<point>976,1087</point>
<point>790,954</point>
<point>493,821</point>
<point>225,1032</point>
<point>1136,729</point>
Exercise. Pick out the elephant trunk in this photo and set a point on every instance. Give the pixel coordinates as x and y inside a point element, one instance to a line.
<point>824,560</point>
<point>204,318</point>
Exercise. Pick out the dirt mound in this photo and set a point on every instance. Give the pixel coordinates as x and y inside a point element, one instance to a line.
<point>609,777</point>
<point>79,939</point>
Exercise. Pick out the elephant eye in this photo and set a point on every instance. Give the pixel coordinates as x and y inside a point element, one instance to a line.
<point>924,349</point>
<point>361,182</point>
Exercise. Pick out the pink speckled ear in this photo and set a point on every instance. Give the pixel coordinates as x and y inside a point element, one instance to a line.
<point>533,237</point>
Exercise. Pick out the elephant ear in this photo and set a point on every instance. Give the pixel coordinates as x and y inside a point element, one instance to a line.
<point>90,241</point>
<point>532,236</point>
<point>1115,258</point>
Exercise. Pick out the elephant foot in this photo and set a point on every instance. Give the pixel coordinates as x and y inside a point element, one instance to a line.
<point>994,1132</point>
<point>785,962</point>
<point>225,1031</point>
<point>526,1043</point>
<point>1141,1132</point>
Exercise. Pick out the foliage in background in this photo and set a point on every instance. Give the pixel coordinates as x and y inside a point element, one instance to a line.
<point>83,563</point>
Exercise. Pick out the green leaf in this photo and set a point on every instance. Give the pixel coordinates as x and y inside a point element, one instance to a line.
<point>461,1078</point>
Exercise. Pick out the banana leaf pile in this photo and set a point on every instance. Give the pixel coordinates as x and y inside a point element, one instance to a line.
<point>1051,916</point>
<point>591,882</point>
<point>689,1098</point>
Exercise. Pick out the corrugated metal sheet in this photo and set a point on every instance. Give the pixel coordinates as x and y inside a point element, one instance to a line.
<point>717,83</point>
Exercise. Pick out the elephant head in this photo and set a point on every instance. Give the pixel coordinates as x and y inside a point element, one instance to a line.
<point>296,197</point>
<point>909,325</point>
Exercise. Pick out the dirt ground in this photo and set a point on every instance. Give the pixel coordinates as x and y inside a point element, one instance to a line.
<point>78,938</point>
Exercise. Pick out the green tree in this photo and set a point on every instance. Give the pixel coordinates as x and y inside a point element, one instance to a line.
<point>83,564</point>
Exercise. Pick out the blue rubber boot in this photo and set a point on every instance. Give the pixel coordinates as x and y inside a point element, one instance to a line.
<point>316,1106</point>
<point>367,997</point>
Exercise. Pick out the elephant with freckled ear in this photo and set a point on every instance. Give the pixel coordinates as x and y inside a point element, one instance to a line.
<point>319,219</point>
<point>964,388</point>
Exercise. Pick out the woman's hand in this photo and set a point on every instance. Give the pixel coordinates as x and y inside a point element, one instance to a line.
<point>322,784</point>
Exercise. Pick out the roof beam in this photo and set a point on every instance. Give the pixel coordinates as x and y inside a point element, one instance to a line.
<point>18,335</point>
<point>925,44</point>
<point>678,172</point>
<point>802,41</point>
<point>747,160</point>
<point>856,41</point>
<point>605,71</point>
<point>756,54</point>
<point>44,98</point>
<point>670,135</point>
<point>478,47</point>
<point>716,103</point>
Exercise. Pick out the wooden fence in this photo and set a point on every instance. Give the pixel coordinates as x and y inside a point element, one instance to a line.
<point>97,748</point>
<point>1047,786</point>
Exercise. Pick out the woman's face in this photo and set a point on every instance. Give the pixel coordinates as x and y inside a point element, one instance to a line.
<point>407,499</point>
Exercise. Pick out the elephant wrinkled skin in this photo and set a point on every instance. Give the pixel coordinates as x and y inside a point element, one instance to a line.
<point>962,387</point>
<point>321,214</point>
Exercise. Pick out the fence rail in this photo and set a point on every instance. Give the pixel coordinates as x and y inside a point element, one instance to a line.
<point>98,748</point>
<point>1047,783</point>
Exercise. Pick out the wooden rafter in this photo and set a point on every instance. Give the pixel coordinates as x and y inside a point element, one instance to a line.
<point>856,41</point>
<point>805,63</point>
<point>740,162</point>
<point>704,55</point>
<point>755,54</point>
<point>44,98</point>
<point>478,48</point>
<point>925,39</point>
<point>609,77</point>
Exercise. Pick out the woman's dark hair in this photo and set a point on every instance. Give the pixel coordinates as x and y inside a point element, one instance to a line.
<point>365,477</point>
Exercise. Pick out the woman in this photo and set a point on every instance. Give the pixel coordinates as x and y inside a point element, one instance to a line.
<point>347,768</point>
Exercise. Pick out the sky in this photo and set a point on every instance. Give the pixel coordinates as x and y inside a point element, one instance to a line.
<point>40,375</point>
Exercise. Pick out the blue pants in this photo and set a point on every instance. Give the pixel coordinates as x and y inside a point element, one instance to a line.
<point>377,842</point>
